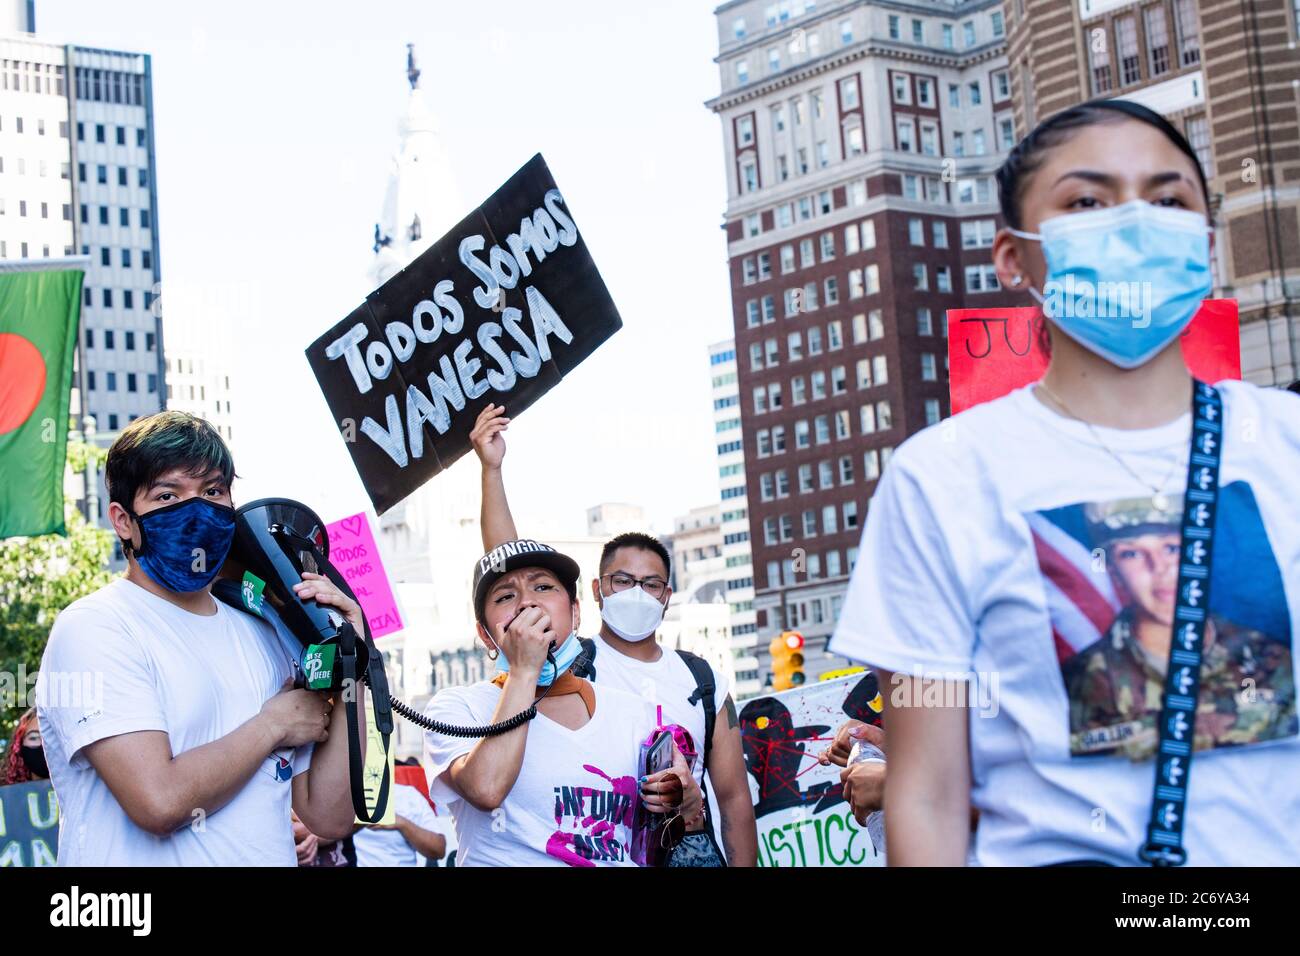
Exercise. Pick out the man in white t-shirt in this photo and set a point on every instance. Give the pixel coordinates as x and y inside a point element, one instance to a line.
<point>413,834</point>
<point>172,733</point>
<point>633,593</point>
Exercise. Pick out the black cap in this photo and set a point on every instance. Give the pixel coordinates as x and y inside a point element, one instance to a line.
<point>514,555</point>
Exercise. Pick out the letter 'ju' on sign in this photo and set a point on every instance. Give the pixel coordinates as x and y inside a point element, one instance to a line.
<point>993,351</point>
<point>496,311</point>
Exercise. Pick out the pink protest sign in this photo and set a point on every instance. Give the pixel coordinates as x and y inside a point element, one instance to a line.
<point>354,553</point>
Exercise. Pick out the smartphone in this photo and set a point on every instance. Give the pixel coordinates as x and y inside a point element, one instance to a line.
<point>660,755</point>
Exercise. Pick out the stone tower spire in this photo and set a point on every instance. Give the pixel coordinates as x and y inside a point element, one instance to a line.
<point>422,200</point>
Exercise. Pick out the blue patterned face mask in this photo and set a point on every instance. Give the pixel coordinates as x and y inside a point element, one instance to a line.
<point>1125,280</point>
<point>564,655</point>
<point>183,545</point>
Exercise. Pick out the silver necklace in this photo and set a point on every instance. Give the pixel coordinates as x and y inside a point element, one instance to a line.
<point>1158,497</point>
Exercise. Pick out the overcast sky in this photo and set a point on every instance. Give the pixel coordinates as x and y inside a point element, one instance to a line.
<point>276,124</point>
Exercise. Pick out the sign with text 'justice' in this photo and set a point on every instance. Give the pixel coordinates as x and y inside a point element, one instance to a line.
<point>499,310</point>
<point>992,352</point>
<point>799,806</point>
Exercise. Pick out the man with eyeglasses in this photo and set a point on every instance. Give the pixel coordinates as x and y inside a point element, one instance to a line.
<point>633,593</point>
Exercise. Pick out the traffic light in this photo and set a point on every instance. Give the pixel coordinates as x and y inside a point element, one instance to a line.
<point>787,660</point>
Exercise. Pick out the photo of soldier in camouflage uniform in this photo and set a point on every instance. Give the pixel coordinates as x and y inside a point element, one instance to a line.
<point>1247,691</point>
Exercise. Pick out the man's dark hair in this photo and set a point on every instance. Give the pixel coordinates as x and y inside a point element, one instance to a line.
<point>150,447</point>
<point>635,539</point>
<point>1294,387</point>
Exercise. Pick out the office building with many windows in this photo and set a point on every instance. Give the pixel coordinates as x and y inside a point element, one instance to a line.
<point>115,222</point>
<point>733,520</point>
<point>77,180</point>
<point>860,142</point>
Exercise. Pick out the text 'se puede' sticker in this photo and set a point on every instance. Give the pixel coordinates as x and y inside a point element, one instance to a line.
<point>251,592</point>
<point>318,665</point>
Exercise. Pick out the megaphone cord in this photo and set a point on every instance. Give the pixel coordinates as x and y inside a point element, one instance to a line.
<point>454,730</point>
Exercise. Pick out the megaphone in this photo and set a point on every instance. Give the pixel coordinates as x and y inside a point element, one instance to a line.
<point>276,541</point>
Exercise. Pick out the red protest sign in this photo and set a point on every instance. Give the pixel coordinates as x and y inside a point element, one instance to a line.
<point>413,777</point>
<point>994,351</point>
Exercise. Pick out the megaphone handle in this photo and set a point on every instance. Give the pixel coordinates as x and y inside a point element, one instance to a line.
<point>355,763</point>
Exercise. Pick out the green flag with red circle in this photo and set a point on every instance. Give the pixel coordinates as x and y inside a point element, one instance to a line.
<point>39,313</point>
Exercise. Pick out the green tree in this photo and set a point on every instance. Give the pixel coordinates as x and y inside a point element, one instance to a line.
<point>39,577</point>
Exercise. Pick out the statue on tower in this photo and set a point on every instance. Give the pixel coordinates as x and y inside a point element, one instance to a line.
<point>412,71</point>
<point>380,239</point>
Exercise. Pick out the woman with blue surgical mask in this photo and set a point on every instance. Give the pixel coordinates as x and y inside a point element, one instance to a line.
<point>1072,591</point>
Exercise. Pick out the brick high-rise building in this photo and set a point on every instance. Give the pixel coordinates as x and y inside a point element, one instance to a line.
<point>860,141</point>
<point>1225,72</point>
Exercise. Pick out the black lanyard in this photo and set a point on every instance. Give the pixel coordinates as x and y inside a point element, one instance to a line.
<point>1177,727</point>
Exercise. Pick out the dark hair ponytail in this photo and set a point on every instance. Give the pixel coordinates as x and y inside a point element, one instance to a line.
<point>1028,154</point>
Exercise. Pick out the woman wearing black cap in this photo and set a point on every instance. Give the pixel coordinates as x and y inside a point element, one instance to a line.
<point>990,611</point>
<point>560,789</point>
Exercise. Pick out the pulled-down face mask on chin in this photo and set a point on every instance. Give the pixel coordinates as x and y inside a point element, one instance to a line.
<point>564,655</point>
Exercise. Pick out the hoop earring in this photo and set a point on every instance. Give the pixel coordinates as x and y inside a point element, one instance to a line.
<point>494,653</point>
<point>1016,280</point>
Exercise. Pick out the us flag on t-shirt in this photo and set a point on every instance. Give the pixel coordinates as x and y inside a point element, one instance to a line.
<point>1081,599</point>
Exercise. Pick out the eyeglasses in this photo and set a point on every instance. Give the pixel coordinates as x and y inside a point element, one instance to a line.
<point>653,586</point>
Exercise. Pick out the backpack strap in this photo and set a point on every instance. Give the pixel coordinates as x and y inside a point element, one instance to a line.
<point>704,692</point>
<point>586,664</point>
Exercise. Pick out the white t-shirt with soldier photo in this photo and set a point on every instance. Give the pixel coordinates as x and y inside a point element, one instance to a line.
<point>1007,548</point>
<point>574,799</point>
<point>123,660</point>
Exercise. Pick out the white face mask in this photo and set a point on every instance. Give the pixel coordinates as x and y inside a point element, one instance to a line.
<point>632,614</point>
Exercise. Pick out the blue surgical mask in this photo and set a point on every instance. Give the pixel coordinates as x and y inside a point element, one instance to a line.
<point>564,655</point>
<point>1125,280</point>
<point>182,546</point>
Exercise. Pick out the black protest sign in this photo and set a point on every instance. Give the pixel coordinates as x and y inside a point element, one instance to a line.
<point>29,824</point>
<point>499,310</point>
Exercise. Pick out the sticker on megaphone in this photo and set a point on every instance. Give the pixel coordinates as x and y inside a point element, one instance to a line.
<point>318,665</point>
